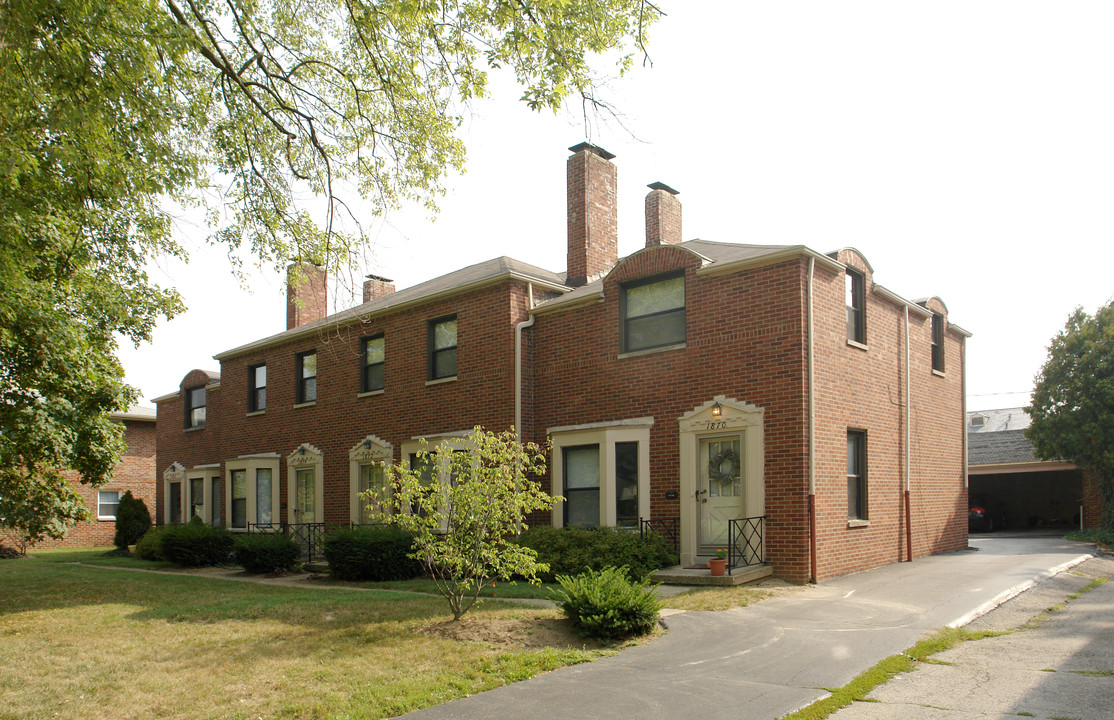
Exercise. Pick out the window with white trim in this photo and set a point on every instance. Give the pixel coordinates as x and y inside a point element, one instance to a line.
<point>253,491</point>
<point>196,500</point>
<point>107,502</point>
<point>367,472</point>
<point>603,472</point>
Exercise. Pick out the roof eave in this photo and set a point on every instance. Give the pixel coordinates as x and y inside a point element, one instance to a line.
<point>717,269</point>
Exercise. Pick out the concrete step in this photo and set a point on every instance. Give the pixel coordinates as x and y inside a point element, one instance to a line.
<point>679,575</point>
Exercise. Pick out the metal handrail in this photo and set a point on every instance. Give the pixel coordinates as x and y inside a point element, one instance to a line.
<point>668,528</point>
<point>745,542</point>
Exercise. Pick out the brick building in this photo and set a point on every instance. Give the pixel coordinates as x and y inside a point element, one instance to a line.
<point>135,471</point>
<point>691,384</point>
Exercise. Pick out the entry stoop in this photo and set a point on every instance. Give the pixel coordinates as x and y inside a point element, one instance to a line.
<point>680,575</point>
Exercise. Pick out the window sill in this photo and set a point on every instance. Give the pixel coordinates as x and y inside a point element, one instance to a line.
<point>311,403</point>
<point>440,381</point>
<point>105,519</point>
<point>858,523</point>
<point>652,351</point>
<point>938,373</point>
<point>195,428</point>
<point>253,413</point>
<point>857,344</point>
<point>370,393</point>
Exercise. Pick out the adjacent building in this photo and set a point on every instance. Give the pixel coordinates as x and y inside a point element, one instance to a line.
<point>773,397</point>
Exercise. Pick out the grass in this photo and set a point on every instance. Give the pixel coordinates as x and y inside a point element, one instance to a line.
<point>77,640</point>
<point>499,590</point>
<point>716,598</point>
<point>96,556</point>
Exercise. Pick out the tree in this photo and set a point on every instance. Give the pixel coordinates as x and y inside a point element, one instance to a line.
<point>133,520</point>
<point>117,111</point>
<point>464,508</point>
<point>1073,402</point>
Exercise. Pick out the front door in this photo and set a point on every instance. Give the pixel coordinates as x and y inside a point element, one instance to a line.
<point>304,495</point>
<point>719,489</point>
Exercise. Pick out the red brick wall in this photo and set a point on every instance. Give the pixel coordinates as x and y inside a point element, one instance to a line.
<point>482,394</point>
<point>135,472</point>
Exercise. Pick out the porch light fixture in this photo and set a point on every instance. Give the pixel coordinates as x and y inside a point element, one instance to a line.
<point>716,409</point>
<point>367,444</point>
<point>302,450</point>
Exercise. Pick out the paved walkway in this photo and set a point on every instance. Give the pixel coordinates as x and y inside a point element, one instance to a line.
<point>1061,665</point>
<point>769,659</point>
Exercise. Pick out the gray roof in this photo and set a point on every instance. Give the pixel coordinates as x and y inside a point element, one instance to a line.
<point>135,412</point>
<point>997,448</point>
<point>998,420</point>
<point>478,274</point>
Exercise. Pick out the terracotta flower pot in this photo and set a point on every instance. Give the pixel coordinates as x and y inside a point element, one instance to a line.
<point>717,565</point>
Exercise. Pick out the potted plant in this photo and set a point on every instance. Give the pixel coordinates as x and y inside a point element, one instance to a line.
<point>718,564</point>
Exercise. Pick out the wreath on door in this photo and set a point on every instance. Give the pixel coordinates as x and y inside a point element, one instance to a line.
<point>724,465</point>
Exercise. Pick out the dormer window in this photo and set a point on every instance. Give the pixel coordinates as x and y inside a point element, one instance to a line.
<point>856,306</point>
<point>978,421</point>
<point>653,313</point>
<point>938,342</point>
<point>195,407</point>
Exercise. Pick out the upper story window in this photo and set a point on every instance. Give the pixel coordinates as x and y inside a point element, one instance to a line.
<point>442,348</point>
<point>257,388</point>
<point>195,407</point>
<point>653,313</point>
<point>938,342</point>
<point>856,306</point>
<point>371,367</point>
<point>306,367</point>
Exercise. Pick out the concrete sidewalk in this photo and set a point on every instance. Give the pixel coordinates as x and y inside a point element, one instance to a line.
<point>769,659</point>
<point>1059,666</point>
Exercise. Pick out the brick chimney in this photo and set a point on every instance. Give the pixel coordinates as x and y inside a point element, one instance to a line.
<point>663,215</point>
<point>593,209</point>
<point>306,296</point>
<point>376,287</point>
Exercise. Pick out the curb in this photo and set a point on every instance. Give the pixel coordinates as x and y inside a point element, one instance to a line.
<point>1016,590</point>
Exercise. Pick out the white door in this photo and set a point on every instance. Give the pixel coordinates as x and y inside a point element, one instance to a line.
<point>304,495</point>
<point>719,489</point>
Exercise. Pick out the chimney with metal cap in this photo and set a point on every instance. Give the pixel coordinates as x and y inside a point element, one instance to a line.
<point>593,227</point>
<point>377,287</point>
<point>663,215</point>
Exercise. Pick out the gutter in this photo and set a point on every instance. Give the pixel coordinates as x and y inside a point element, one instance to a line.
<point>811,430</point>
<point>518,328</point>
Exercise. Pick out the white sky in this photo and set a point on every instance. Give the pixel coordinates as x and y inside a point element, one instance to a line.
<point>966,148</point>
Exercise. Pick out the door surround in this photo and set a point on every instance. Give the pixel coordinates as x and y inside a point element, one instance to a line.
<point>717,417</point>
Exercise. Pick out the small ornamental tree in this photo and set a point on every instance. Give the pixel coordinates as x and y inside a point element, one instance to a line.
<point>1073,401</point>
<point>132,520</point>
<point>465,513</point>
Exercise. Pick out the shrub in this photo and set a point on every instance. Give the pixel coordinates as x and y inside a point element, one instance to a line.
<point>606,604</point>
<point>195,545</point>
<point>147,547</point>
<point>265,553</point>
<point>371,553</point>
<point>571,550</point>
<point>132,520</point>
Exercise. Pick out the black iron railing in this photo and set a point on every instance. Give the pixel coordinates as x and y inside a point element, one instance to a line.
<point>745,545</point>
<point>310,537</point>
<point>668,528</point>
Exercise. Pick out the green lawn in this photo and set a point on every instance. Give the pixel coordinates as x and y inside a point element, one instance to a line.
<point>80,642</point>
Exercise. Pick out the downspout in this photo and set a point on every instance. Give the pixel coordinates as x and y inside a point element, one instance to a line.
<point>963,389</point>
<point>518,359</point>
<point>811,434</point>
<point>908,449</point>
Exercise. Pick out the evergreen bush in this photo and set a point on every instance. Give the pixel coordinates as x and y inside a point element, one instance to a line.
<point>573,550</point>
<point>606,604</point>
<point>266,552</point>
<point>147,547</point>
<point>132,520</point>
<point>196,545</point>
<point>371,553</point>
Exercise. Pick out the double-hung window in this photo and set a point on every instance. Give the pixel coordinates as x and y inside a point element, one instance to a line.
<point>856,306</point>
<point>371,363</point>
<point>107,502</point>
<point>856,475</point>
<point>197,498</point>
<point>937,342</point>
<point>306,367</point>
<point>195,407</point>
<point>257,388</point>
<point>653,313</point>
<point>582,486</point>
<point>238,482</point>
<point>442,348</point>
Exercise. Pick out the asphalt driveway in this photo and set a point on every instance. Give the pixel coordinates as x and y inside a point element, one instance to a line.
<point>772,658</point>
